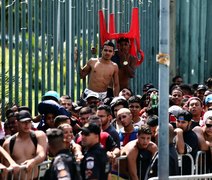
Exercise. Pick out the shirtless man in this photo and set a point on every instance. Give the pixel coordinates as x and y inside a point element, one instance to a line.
<point>143,151</point>
<point>101,71</point>
<point>204,135</point>
<point>28,147</point>
<point>125,61</point>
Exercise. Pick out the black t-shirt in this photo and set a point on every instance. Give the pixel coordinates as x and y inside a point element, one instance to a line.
<point>95,164</point>
<point>143,161</point>
<point>191,141</point>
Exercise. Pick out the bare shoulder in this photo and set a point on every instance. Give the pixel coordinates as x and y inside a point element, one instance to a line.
<point>197,129</point>
<point>40,134</point>
<point>152,147</point>
<point>93,60</point>
<point>127,148</point>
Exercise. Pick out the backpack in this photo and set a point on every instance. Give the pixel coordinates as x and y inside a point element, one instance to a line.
<point>13,138</point>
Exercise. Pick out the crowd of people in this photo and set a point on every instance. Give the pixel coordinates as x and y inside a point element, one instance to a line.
<point>107,133</point>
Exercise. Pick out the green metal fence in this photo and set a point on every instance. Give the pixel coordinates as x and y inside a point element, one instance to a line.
<point>43,43</point>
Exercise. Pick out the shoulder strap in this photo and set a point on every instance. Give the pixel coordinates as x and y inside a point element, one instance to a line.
<point>11,144</point>
<point>34,138</point>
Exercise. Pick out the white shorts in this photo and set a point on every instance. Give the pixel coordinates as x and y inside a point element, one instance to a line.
<point>102,95</point>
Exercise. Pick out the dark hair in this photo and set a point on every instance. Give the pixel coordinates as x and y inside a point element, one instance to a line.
<point>109,43</point>
<point>134,99</point>
<point>85,110</point>
<point>122,39</point>
<point>106,108</point>
<point>209,82</point>
<point>60,119</point>
<point>54,135</point>
<point>127,89</point>
<point>186,114</point>
<point>176,77</point>
<point>144,129</point>
<point>152,121</point>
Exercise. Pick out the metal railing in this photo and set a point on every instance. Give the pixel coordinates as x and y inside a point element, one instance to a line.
<point>188,177</point>
<point>42,167</point>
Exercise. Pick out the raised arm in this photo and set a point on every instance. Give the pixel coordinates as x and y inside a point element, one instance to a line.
<point>116,86</point>
<point>180,144</point>
<point>130,67</point>
<point>85,70</point>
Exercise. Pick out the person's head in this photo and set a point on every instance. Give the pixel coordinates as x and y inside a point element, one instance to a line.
<point>178,80</point>
<point>104,112</point>
<point>208,126</point>
<point>118,103</point>
<point>184,120</point>
<point>135,105</point>
<point>67,133</point>
<point>176,96</point>
<point>90,134</point>
<point>187,90</point>
<point>51,95</point>
<point>93,99</point>
<point>195,107</point>
<point>209,82</point>
<point>12,121</point>
<point>55,141</point>
<point>171,134</point>
<point>49,119</point>
<point>146,87</point>
<point>123,45</point>
<point>66,102</point>
<point>96,120</point>
<point>201,91</point>
<point>24,119</point>
<point>208,102</point>
<point>84,114</point>
<point>125,117</point>
<point>61,119</point>
<point>152,122</point>
<point>144,136</point>
<point>126,93</point>
<point>108,50</point>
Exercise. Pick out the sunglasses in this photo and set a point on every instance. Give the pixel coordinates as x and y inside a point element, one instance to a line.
<point>208,125</point>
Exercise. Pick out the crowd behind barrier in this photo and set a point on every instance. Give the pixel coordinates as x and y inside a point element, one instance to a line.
<point>198,168</point>
<point>120,134</point>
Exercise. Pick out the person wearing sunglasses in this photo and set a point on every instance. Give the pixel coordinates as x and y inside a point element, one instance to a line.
<point>204,135</point>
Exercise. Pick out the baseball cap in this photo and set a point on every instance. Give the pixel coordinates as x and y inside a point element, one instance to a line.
<point>51,95</point>
<point>147,86</point>
<point>201,87</point>
<point>24,115</point>
<point>90,128</point>
<point>93,94</point>
<point>175,110</point>
<point>184,115</point>
<point>208,99</point>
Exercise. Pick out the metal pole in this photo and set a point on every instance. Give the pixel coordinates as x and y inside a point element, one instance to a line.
<point>163,59</point>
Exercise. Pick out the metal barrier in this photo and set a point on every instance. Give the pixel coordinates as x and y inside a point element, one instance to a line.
<point>180,159</point>
<point>187,177</point>
<point>42,167</point>
<point>200,163</point>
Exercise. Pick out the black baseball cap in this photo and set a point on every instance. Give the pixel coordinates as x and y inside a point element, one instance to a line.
<point>24,115</point>
<point>90,128</point>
